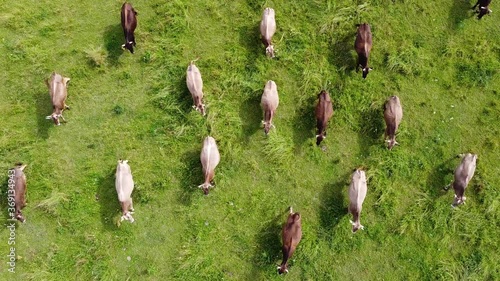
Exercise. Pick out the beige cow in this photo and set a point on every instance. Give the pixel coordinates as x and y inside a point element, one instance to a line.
<point>267,30</point>
<point>269,103</point>
<point>393,113</point>
<point>195,86</point>
<point>124,186</point>
<point>209,158</point>
<point>357,194</point>
<point>463,174</point>
<point>20,191</point>
<point>58,91</point>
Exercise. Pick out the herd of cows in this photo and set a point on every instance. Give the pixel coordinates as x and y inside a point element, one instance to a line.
<point>210,157</point>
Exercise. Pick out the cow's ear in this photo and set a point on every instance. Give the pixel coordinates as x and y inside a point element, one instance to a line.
<point>370,69</point>
<point>66,80</point>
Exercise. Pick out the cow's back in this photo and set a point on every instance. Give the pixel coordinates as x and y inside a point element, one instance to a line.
<point>19,187</point>
<point>465,171</point>
<point>124,181</point>
<point>210,156</point>
<point>128,19</point>
<point>357,190</point>
<point>363,43</point>
<point>270,98</point>
<point>268,24</point>
<point>393,111</point>
<point>292,230</point>
<point>324,108</point>
<point>194,81</point>
<point>57,89</point>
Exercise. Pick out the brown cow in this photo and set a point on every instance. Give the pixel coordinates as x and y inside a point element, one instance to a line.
<point>58,91</point>
<point>269,102</point>
<point>463,174</point>
<point>209,158</point>
<point>291,235</point>
<point>324,111</point>
<point>267,30</point>
<point>19,190</point>
<point>129,23</point>
<point>363,45</point>
<point>393,113</point>
<point>483,8</point>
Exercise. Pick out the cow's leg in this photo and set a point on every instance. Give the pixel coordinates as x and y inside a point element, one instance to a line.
<point>477,3</point>
<point>131,206</point>
<point>66,107</point>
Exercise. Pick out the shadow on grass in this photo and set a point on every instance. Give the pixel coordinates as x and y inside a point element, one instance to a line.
<point>113,40</point>
<point>304,121</point>
<point>268,249</point>
<point>371,128</point>
<point>460,11</point>
<point>341,52</point>
<point>441,177</point>
<point>192,176</point>
<point>251,115</point>
<point>249,37</point>
<point>108,200</point>
<point>43,109</point>
<point>332,208</point>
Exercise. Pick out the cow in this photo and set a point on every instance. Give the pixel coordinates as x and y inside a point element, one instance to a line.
<point>269,103</point>
<point>129,23</point>
<point>324,111</point>
<point>291,235</point>
<point>58,92</point>
<point>363,45</point>
<point>357,194</point>
<point>463,174</point>
<point>267,30</point>
<point>393,113</point>
<point>483,8</point>
<point>124,186</point>
<point>209,158</point>
<point>19,190</point>
<point>195,86</point>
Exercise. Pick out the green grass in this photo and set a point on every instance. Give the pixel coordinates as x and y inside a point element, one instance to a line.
<point>438,59</point>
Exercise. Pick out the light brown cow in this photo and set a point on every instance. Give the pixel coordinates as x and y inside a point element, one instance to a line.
<point>324,111</point>
<point>209,158</point>
<point>58,91</point>
<point>269,102</point>
<point>463,174</point>
<point>363,46</point>
<point>291,235</point>
<point>393,113</point>
<point>19,191</point>
<point>124,186</point>
<point>195,86</point>
<point>267,30</point>
<point>357,194</point>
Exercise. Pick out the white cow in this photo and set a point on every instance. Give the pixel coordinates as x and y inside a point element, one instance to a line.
<point>124,187</point>
<point>269,102</point>
<point>463,175</point>
<point>357,194</point>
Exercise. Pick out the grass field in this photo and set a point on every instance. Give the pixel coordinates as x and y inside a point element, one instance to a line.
<point>440,60</point>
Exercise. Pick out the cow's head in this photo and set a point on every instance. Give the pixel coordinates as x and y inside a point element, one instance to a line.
<point>55,117</point>
<point>267,126</point>
<point>391,143</point>
<point>200,108</point>
<point>129,46</point>
<point>19,217</point>
<point>320,138</point>
<point>205,188</point>
<point>127,217</point>
<point>283,268</point>
<point>270,51</point>
<point>365,71</point>
<point>458,200</point>
<point>356,226</point>
<point>483,11</point>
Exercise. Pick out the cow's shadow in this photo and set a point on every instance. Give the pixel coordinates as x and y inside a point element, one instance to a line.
<point>113,40</point>
<point>251,115</point>
<point>460,11</point>
<point>441,176</point>
<point>108,200</point>
<point>43,109</point>
<point>332,208</point>
<point>372,127</point>
<point>305,121</point>
<point>268,248</point>
<point>192,176</point>
<point>340,53</point>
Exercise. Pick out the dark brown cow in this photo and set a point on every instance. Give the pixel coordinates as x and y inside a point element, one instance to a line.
<point>20,191</point>
<point>483,8</point>
<point>324,111</point>
<point>291,235</point>
<point>129,23</point>
<point>363,45</point>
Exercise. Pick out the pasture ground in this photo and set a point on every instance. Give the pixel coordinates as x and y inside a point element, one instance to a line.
<point>440,60</point>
